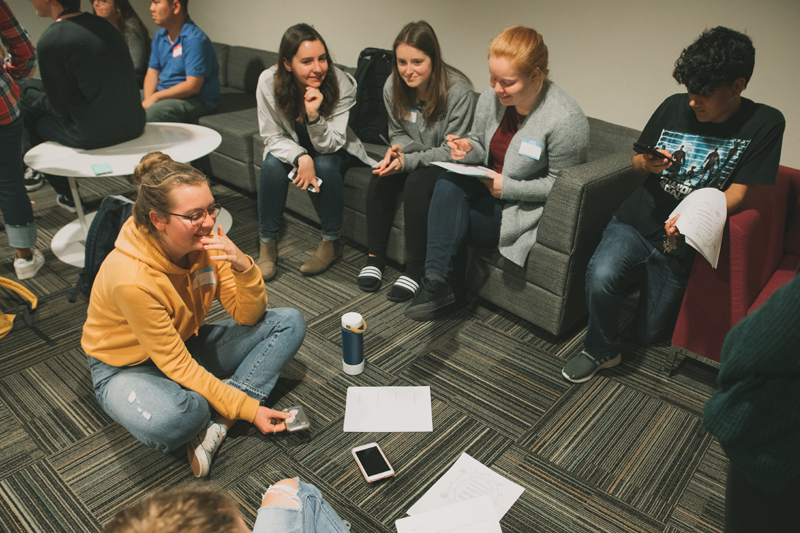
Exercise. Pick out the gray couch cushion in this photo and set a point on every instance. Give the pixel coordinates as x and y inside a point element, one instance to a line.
<point>606,138</point>
<point>237,129</point>
<point>235,100</point>
<point>258,147</point>
<point>232,172</point>
<point>245,65</point>
<point>222,58</point>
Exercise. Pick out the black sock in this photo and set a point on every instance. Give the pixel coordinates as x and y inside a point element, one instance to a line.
<point>436,277</point>
<point>377,262</point>
<point>414,272</point>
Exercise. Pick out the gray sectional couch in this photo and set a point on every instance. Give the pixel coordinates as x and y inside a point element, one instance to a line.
<point>548,291</point>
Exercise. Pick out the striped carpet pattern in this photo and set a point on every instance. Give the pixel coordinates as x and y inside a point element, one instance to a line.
<point>625,452</point>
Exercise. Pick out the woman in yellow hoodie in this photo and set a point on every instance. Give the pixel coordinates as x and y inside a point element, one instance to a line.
<point>156,367</point>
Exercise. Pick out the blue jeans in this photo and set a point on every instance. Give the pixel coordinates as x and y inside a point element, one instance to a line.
<point>164,415</point>
<point>315,515</point>
<point>273,186</point>
<point>462,211</point>
<point>187,110</point>
<point>623,259</point>
<point>14,201</point>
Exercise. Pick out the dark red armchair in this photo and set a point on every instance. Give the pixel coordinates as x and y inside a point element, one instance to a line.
<point>760,253</point>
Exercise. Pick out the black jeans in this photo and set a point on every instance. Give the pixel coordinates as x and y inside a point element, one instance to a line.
<point>748,508</point>
<point>41,126</point>
<point>382,193</point>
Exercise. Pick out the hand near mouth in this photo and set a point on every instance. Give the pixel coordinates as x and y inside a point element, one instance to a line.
<point>230,252</point>
<point>312,100</point>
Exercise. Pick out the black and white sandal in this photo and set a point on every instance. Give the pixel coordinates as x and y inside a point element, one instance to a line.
<point>403,290</point>
<point>369,279</point>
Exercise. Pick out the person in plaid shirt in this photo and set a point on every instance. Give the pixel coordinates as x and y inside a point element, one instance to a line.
<point>14,201</point>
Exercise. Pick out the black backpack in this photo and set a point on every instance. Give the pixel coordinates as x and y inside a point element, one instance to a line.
<point>368,118</point>
<point>103,232</point>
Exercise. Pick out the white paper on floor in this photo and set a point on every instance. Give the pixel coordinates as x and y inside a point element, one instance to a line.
<point>465,480</point>
<point>471,516</point>
<point>388,409</point>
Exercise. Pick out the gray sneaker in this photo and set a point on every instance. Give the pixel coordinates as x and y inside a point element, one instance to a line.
<point>583,366</point>
<point>203,447</point>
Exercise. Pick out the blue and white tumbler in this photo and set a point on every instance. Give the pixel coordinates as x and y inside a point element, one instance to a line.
<point>353,327</point>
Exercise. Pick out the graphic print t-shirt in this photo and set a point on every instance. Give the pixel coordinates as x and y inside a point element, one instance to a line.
<point>745,149</point>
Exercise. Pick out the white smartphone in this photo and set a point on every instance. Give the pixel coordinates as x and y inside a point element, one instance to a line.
<point>293,175</point>
<point>372,462</point>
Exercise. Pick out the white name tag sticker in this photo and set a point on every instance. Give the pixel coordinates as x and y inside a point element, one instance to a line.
<point>177,51</point>
<point>205,276</point>
<point>531,149</point>
<point>413,118</point>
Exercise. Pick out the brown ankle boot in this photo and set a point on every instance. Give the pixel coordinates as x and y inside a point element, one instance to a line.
<point>328,252</point>
<point>267,261</point>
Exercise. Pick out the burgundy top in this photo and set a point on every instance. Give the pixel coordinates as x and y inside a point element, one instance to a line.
<point>502,138</point>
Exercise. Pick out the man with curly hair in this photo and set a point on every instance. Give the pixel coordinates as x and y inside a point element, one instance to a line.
<point>711,122</point>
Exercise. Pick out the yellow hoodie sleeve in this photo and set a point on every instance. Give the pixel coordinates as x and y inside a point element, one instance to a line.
<point>242,293</point>
<point>150,321</point>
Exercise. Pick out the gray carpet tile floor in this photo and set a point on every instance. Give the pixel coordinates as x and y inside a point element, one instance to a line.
<point>625,452</point>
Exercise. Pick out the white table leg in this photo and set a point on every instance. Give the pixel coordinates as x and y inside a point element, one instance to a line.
<point>69,244</point>
<point>77,199</point>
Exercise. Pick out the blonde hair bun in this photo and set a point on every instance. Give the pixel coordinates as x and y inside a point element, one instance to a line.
<point>147,164</point>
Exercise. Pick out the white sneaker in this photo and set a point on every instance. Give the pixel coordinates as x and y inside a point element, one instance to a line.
<point>28,267</point>
<point>203,447</point>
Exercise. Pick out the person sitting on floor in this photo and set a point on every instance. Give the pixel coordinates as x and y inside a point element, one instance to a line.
<point>527,130</point>
<point>637,248</point>
<point>303,104</point>
<point>182,80</point>
<point>121,15</point>
<point>288,506</point>
<point>89,98</point>
<point>157,368</point>
<point>426,99</point>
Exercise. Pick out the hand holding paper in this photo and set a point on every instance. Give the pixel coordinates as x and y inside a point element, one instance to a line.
<point>702,218</point>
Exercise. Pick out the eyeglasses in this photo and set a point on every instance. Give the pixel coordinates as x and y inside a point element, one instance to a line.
<point>198,217</point>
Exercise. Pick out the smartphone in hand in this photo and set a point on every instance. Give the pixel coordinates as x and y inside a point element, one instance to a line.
<point>640,148</point>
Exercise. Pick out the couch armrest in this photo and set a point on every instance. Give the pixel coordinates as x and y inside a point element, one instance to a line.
<point>582,201</point>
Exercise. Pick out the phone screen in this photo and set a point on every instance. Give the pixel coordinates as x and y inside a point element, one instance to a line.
<point>372,461</point>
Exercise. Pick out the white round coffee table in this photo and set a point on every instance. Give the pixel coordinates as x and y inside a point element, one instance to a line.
<point>182,142</point>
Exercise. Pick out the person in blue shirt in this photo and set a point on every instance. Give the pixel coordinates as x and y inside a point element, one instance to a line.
<point>182,80</point>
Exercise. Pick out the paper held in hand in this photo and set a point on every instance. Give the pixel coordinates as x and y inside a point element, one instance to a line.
<point>466,170</point>
<point>702,218</point>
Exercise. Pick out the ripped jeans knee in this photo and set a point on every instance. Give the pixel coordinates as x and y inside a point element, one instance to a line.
<point>283,494</point>
<point>291,506</point>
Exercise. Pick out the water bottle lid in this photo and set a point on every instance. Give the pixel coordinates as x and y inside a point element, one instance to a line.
<point>352,320</point>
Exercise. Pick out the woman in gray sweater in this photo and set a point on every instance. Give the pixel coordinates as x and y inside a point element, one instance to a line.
<point>427,100</point>
<point>527,130</point>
